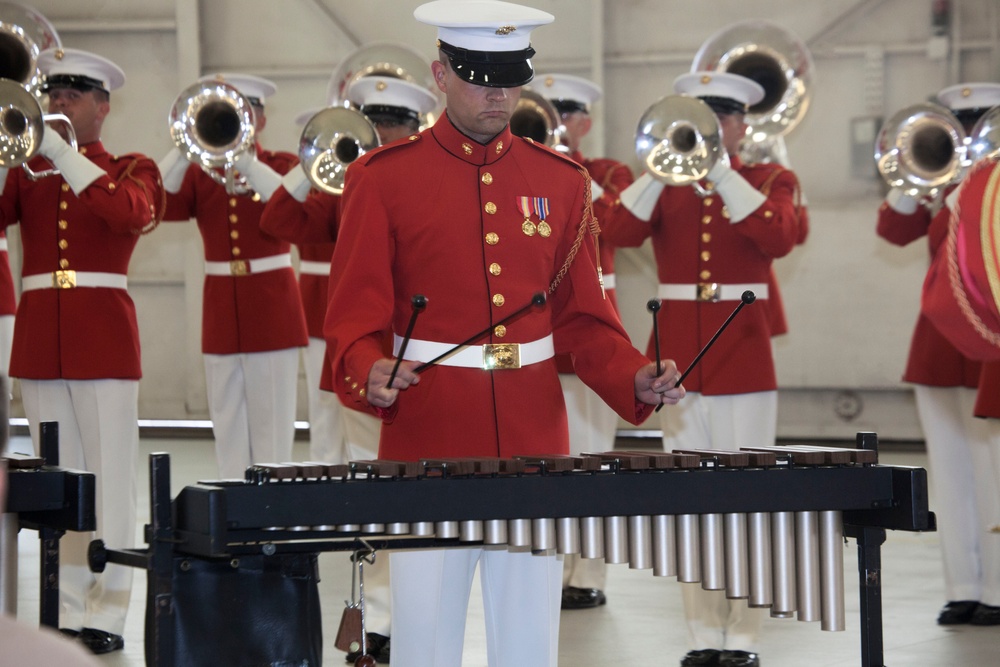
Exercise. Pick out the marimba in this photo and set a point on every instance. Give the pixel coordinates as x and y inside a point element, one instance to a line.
<point>764,525</point>
<point>43,497</point>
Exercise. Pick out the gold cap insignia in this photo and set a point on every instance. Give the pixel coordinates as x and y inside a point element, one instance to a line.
<point>60,54</point>
<point>549,81</point>
<point>380,86</point>
<point>706,79</point>
<point>506,29</point>
<point>966,92</point>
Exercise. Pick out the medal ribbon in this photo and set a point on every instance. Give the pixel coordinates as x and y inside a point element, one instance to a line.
<point>541,207</point>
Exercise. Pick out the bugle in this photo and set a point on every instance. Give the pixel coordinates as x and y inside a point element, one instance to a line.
<point>331,140</point>
<point>679,140</point>
<point>921,150</point>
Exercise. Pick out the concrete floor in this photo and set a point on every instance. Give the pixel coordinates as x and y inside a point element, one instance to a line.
<point>642,623</point>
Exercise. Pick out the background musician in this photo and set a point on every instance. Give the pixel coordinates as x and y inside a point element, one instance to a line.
<point>252,319</point>
<point>76,341</point>
<point>592,424</point>
<point>945,382</point>
<point>443,215</point>
<point>708,251</point>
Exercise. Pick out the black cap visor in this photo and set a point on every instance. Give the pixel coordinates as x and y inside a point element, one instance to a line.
<point>75,81</point>
<point>496,69</point>
<point>724,105</point>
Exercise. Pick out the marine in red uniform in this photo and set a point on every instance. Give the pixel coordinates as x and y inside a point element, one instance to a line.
<point>709,250</point>
<point>252,319</point>
<point>76,342</point>
<point>8,299</point>
<point>592,423</point>
<point>479,222</point>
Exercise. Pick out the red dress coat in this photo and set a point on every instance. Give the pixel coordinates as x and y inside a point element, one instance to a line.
<point>613,177</point>
<point>249,313</point>
<point>8,299</point>
<point>82,333</point>
<point>694,241</point>
<point>933,360</point>
<point>440,216</point>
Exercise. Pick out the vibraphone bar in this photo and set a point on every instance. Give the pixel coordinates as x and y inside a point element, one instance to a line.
<point>765,525</point>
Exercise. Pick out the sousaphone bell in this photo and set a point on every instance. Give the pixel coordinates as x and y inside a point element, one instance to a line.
<point>679,140</point>
<point>331,140</point>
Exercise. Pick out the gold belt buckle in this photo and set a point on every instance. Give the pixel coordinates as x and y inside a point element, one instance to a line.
<point>709,292</point>
<point>238,267</point>
<point>501,356</point>
<point>64,279</point>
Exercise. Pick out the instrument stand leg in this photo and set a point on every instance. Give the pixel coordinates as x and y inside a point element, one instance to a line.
<point>160,629</point>
<point>48,603</point>
<point>870,542</point>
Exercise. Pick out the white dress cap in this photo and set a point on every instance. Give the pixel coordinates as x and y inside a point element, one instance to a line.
<point>256,87</point>
<point>568,92</point>
<point>392,92</point>
<point>483,25</point>
<point>970,96</point>
<point>74,68</point>
<point>720,87</point>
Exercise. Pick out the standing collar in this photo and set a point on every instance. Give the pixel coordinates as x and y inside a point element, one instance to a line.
<point>452,140</point>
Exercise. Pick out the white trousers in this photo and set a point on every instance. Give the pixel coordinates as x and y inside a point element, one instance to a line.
<point>98,432</point>
<point>6,342</point>
<point>430,600</point>
<point>592,428</point>
<point>251,399</point>
<point>963,455</point>
<point>720,422</point>
<point>326,414</point>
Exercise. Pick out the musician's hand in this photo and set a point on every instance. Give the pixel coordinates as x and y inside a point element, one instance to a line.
<point>654,389</point>
<point>379,394</point>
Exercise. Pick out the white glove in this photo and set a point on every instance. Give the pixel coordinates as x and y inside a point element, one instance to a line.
<point>900,202</point>
<point>173,166</point>
<point>951,201</point>
<point>76,169</point>
<point>296,183</point>
<point>595,191</point>
<point>741,198</point>
<point>640,198</point>
<point>3,179</point>
<point>261,178</point>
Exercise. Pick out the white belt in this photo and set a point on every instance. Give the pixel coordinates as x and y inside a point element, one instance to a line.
<point>489,357</point>
<point>3,244</point>
<point>242,267</point>
<point>314,268</point>
<point>710,292</point>
<point>609,280</point>
<point>71,279</point>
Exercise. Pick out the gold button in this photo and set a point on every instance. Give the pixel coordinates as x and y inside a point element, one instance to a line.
<point>706,237</point>
<point>705,219</point>
<point>63,224</point>
<point>347,378</point>
<point>725,213</point>
<point>63,205</point>
<point>491,208</point>
<point>492,239</point>
<point>65,187</point>
<point>495,269</point>
<point>705,275</point>
<point>768,214</point>
<point>467,148</point>
<point>83,151</point>
<point>234,234</point>
<point>499,147</point>
<point>413,137</point>
<point>233,218</point>
<point>255,197</point>
<point>487,178</point>
<point>707,201</point>
<point>236,252</point>
<point>63,263</point>
<point>232,202</point>
<point>498,300</point>
<point>362,392</point>
<point>111,186</point>
<point>500,331</point>
<point>63,243</point>
<point>705,255</point>
<point>354,385</point>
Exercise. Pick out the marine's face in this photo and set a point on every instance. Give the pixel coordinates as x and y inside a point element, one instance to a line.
<point>479,112</point>
<point>85,110</point>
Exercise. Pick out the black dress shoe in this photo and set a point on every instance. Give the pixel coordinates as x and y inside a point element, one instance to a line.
<point>69,633</point>
<point>378,648</point>
<point>985,615</point>
<point>582,598</point>
<point>738,659</point>
<point>100,642</point>
<point>708,657</point>
<point>957,613</point>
